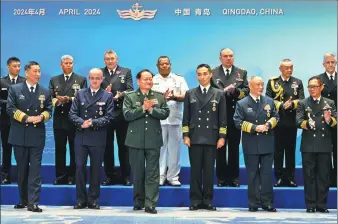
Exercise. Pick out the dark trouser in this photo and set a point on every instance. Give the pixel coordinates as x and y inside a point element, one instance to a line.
<point>316,172</point>
<point>334,155</point>
<point>119,126</point>
<point>229,170</point>
<point>28,161</point>
<point>285,142</point>
<point>61,136</point>
<point>81,155</point>
<point>6,154</point>
<point>259,170</point>
<point>202,159</point>
<point>146,175</point>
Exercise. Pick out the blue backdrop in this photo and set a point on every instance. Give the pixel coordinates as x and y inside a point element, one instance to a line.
<point>303,33</point>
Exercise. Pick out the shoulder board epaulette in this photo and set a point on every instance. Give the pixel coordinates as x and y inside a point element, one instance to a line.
<point>130,92</point>
<point>156,92</point>
<point>274,77</point>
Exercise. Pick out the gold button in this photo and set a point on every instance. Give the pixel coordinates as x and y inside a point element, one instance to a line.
<point>27,109</point>
<point>314,129</point>
<point>26,125</point>
<point>314,135</point>
<point>323,135</point>
<point>323,129</point>
<point>95,116</point>
<point>328,94</point>
<point>146,115</point>
<point>199,125</point>
<point>61,112</point>
<point>86,111</point>
<point>207,119</point>
<point>34,125</point>
<point>323,122</point>
<point>118,104</point>
<point>257,134</point>
<point>131,130</point>
<point>199,111</point>
<point>266,133</point>
<point>233,106</point>
<point>36,110</point>
<point>146,122</point>
<point>233,100</point>
<point>146,128</point>
<point>85,115</point>
<point>256,120</point>
<point>207,126</point>
<point>199,118</point>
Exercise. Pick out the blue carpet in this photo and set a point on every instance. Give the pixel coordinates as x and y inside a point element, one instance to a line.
<point>169,196</point>
<point>125,215</point>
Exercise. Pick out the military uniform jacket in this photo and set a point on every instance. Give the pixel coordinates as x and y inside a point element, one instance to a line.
<point>21,103</point>
<point>5,82</point>
<point>248,115</point>
<point>204,117</point>
<point>60,87</point>
<point>330,89</point>
<point>121,81</point>
<point>221,81</point>
<point>144,128</point>
<point>317,139</point>
<point>99,108</point>
<point>281,92</point>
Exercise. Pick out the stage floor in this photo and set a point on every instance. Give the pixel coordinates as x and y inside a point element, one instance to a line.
<point>125,215</point>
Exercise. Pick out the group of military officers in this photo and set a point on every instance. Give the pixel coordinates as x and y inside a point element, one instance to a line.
<point>214,115</point>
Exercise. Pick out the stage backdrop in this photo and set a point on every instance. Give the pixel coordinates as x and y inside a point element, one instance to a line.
<point>189,32</point>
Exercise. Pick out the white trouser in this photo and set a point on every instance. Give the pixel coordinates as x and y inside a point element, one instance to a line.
<point>170,152</point>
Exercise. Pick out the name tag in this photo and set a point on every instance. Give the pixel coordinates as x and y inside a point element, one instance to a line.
<point>3,88</point>
<point>21,97</point>
<point>249,110</point>
<point>193,101</point>
<point>100,103</point>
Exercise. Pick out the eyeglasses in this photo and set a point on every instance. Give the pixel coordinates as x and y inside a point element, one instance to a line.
<point>313,87</point>
<point>95,78</point>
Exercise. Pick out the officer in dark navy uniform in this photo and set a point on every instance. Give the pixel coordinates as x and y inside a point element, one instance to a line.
<point>64,88</point>
<point>204,132</point>
<point>329,78</point>
<point>286,91</point>
<point>316,115</point>
<point>29,106</point>
<point>233,82</point>
<point>13,65</point>
<point>117,80</point>
<point>257,116</point>
<point>91,113</point>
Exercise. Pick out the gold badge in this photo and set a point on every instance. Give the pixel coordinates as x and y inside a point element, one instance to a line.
<point>268,114</point>
<point>214,109</point>
<point>101,113</point>
<point>42,98</point>
<point>267,107</point>
<point>76,88</point>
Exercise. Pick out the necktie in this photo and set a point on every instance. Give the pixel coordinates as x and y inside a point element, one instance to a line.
<point>111,72</point>
<point>331,78</point>
<point>204,91</point>
<point>315,101</point>
<point>93,93</point>
<point>13,81</point>
<point>227,72</point>
<point>67,78</point>
<point>32,89</point>
<point>257,100</point>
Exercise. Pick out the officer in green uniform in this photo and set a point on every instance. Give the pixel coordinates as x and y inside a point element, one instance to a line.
<point>143,109</point>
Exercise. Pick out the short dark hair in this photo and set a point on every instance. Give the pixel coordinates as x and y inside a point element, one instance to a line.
<point>138,76</point>
<point>29,64</point>
<point>316,78</point>
<point>12,59</point>
<point>203,66</point>
<point>162,57</point>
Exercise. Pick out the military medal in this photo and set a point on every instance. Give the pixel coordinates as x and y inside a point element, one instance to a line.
<point>294,86</point>
<point>327,106</point>
<point>267,108</point>
<point>214,107</point>
<point>42,98</point>
<point>122,78</point>
<point>100,104</point>
<point>56,90</point>
<point>76,88</point>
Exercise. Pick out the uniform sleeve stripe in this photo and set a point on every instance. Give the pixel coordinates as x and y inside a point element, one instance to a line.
<point>246,126</point>
<point>223,131</point>
<point>54,101</point>
<point>334,122</point>
<point>273,122</point>
<point>241,95</point>
<point>19,115</point>
<point>45,115</point>
<point>295,102</point>
<point>303,124</point>
<point>185,129</point>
